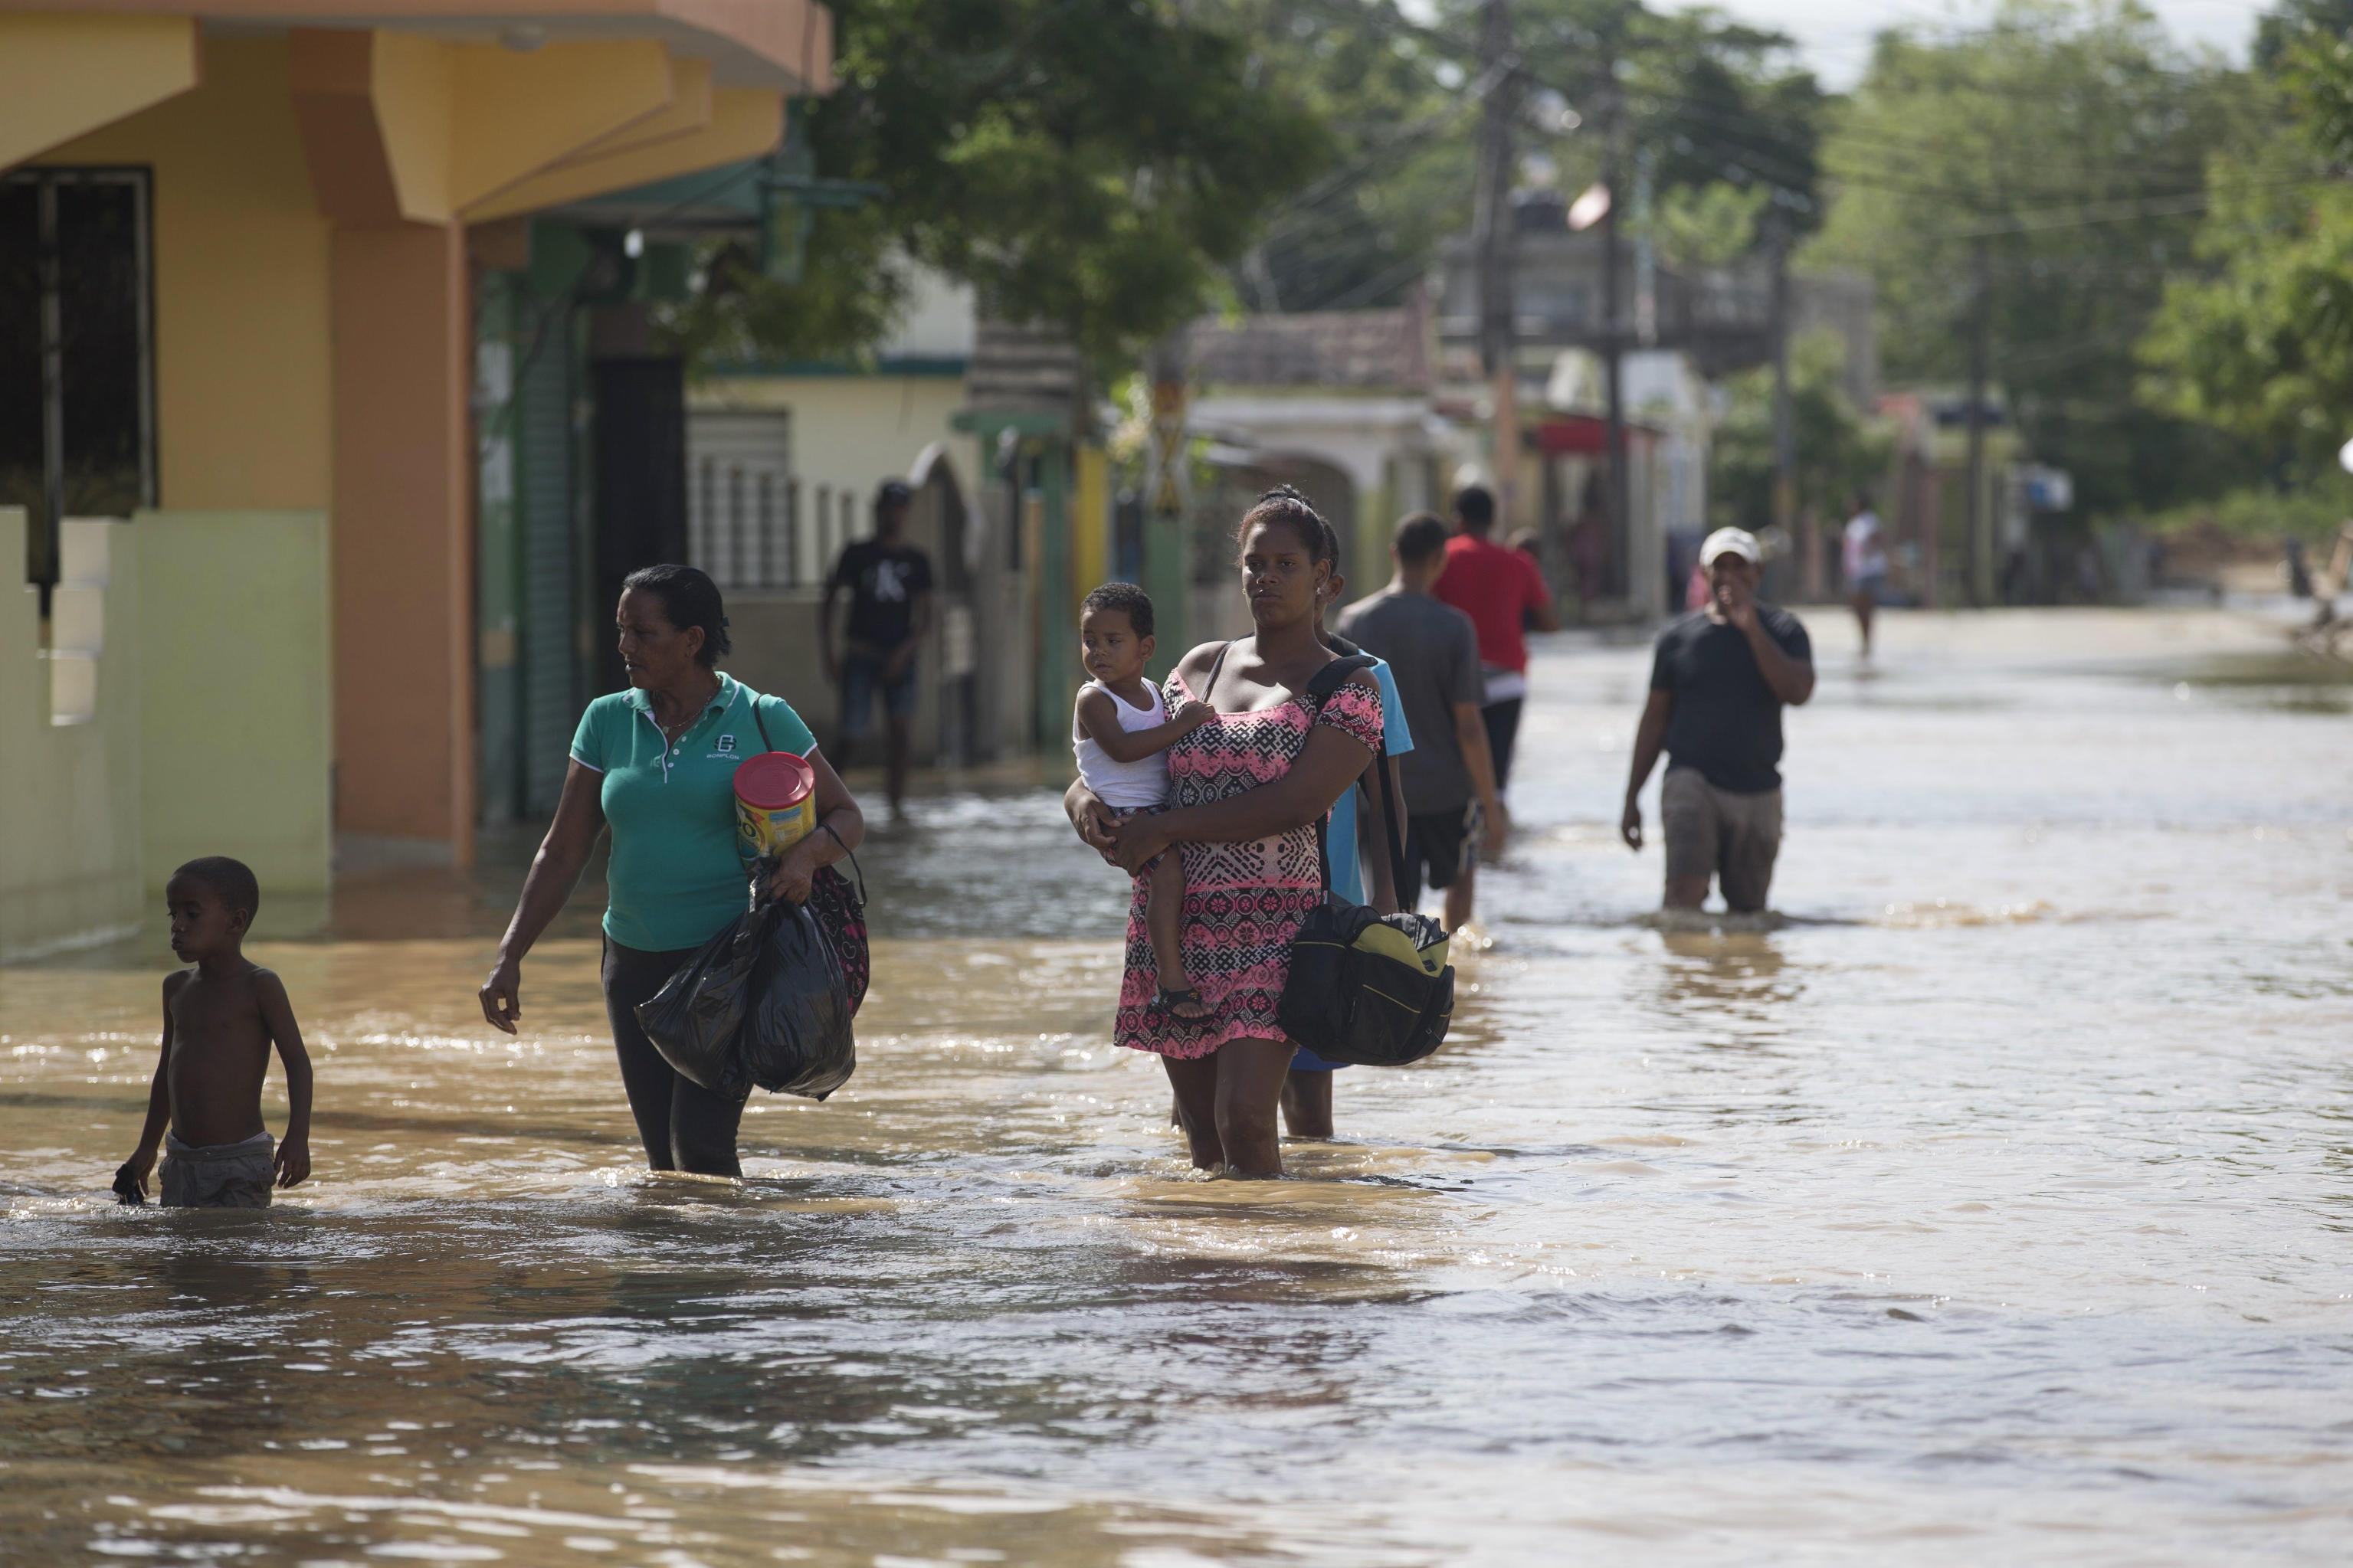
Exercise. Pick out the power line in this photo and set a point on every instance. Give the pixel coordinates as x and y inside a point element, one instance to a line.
<point>1739,127</point>
<point>2093,213</point>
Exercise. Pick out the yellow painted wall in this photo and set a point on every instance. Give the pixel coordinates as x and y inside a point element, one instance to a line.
<point>237,721</point>
<point>745,122</point>
<point>212,731</point>
<point>62,77</point>
<point>241,299</point>
<point>415,93</point>
<point>517,113</point>
<point>69,838</point>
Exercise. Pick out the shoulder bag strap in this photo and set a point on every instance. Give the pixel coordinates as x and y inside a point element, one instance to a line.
<point>1320,688</point>
<point>1382,780</point>
<point>1215,665</point>
<point>1395,839</point>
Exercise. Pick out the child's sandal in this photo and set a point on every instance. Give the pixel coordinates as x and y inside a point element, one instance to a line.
<point>1168,1001</point>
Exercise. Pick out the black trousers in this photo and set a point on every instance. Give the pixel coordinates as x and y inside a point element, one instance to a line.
<point>1503,729</point>
<point>683,1125</point>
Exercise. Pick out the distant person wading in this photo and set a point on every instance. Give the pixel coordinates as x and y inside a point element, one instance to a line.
<point>657,763</point>
<point>1863,556</point>
<point>888,582</point>
<point>1504,593</point>
<point>1453,807</point>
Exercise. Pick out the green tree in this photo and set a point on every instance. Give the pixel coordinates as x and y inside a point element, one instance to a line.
<point>1390,95</point>
<point>2289,20</point>
<point>1711,101</point>
<point>1708,225</point>
<point>2261,347</point>
<point>1838,452</point>
<point>2059,157</point>
<point>1090,167</point>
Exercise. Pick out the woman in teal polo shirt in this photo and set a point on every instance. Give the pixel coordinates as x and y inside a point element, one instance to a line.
<point>657,763</point>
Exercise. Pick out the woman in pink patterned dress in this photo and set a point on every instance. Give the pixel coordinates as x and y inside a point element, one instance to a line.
<point>1248,794</point>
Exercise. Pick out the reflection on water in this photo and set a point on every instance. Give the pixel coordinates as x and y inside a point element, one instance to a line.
<point>1737,978</point>
<point>1989,1204</point>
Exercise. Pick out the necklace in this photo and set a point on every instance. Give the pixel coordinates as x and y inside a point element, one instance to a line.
<point>670,732</point>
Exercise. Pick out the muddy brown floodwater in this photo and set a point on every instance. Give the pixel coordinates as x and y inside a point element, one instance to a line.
<point>1994,1208</point>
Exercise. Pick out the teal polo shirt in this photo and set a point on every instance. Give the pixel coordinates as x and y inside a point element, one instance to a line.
<point>675,876</point>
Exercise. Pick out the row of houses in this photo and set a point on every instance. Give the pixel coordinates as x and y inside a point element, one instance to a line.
<point>334,414</point>
<point>1030,491</point>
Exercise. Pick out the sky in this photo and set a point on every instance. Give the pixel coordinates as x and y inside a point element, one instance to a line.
<point>1834,36</point>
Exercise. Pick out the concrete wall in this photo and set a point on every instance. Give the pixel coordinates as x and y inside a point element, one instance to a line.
<point>849,433</point>
<point>236,718</point>
<point>70,833</point>
<point>183,710</point>
<point>242,391</point>
<point>775,638</point>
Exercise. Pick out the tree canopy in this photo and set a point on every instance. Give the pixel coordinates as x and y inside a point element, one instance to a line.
<point>2261,345</point>
<point>1711,102</point>
<point>2159,244</point>
<point>1839,452</point>
<point>1090,167</point>
<point>2047,170</point>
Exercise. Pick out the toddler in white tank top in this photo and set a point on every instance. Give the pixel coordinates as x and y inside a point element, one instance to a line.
<point>1121,730</point>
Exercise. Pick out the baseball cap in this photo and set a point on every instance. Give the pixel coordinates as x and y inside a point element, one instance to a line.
<point>1730,542</point>
<point>893,492</point>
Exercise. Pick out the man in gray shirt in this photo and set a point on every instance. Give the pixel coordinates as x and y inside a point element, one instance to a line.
<point>1432,651</point>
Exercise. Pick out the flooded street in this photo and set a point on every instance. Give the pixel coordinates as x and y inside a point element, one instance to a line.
<point>1997,1207</point>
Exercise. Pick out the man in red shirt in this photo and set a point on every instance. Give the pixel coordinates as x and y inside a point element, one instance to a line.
<point>1502,593</point>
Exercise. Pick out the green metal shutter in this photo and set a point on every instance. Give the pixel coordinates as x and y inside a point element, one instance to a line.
<point>549,571</point>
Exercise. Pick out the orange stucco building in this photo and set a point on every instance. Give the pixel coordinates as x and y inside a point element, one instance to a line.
<point>288,199</point>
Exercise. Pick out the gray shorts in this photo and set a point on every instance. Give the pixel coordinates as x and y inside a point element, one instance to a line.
<point>1712,832</point>
<point>222,1176</point>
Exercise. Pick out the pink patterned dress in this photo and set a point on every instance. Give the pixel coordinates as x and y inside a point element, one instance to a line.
<point>1243,903</point>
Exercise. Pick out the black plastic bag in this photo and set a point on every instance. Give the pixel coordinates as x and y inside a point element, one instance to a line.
<point>695,1019</point>
<point>795,1034</point>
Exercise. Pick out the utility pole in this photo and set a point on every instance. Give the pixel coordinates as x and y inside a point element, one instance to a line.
<point>1613,336</point>
<point>1785,440</point>
<point>1492,235</point>
<point>1981,545</point>
<point>1646,261</point>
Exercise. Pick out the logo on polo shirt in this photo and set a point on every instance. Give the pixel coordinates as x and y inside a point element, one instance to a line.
<point>726,743</point>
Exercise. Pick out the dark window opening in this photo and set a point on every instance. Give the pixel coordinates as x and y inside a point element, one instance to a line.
<point>76,379</point>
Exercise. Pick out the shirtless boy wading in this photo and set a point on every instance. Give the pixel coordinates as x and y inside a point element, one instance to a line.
<point>219,1021</point>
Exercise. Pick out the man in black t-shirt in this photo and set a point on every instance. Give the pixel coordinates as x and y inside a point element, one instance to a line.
<point>1718,683</point>
<point>889,582</point>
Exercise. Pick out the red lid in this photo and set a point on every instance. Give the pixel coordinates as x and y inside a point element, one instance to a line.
<point>774,781</point>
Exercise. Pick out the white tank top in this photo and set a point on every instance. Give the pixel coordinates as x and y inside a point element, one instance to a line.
<point>1123,786</point>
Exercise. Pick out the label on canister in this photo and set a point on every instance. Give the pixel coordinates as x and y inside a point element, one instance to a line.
<point>776,803</point>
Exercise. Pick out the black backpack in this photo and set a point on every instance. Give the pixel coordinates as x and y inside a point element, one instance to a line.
<point>1368,989</point>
